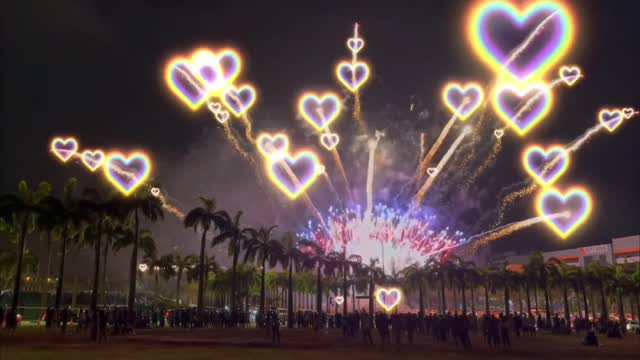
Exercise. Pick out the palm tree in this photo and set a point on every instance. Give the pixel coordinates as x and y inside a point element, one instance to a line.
<point>475,279</point>
<point>559,275</point>
<point>203,218</point>
<point>538,267</point>
<point>20,209</point>
<point>175,265</point>
<point>439,274</point>
<point>317,256</point>
<point>620,283</point>
<point>414,277</point>
<point>344,263</point>
<point>260,245</point>
<point>231,230</point>
<point>576,279</point>
<point>503,277</point>
<point>597,276</point>
<point>291,259</point>
<point>139,203</point>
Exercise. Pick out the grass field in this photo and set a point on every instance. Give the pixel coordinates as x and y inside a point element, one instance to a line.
<point>251,344</point>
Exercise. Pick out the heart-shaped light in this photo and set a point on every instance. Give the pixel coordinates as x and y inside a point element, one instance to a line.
<point>525,57</point>
<point>126,173</point>
<point>92,159</point>
<point>240,99</point>
<point>186,83</point>
<point>564,212</point>
<point>339,300</point>
<point>293,174</point>
<point>462,100</point>
<point>610,119</point>
<point>352,76</point>
<point>222,116</point>
<point>319,111</point>
<point>329,141</point>
<point>272,145</point>
<point>230,64</point>
<point>432,171</point>
<point>545,166</point>
<point>388,298</point>
<point>214,107</point>
<point>508,100</point>
<point>628,112</point>
<point>64,149</point>
<point>498,133</point>
<point>355,44</point>
<point>155,191</point>
<point>143,267</point>
<point>570,74</point>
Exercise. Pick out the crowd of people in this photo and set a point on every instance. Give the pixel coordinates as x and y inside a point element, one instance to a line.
<point>395,328</point>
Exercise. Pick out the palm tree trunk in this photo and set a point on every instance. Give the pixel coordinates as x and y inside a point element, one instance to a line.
<point>565,298</point>
<point>96,283</point>
<point>234,276</point>
<point>546,305</point>
<point>535,294</point>
<point>486,300</point>
<point>319,290</point>
<point>133,266</point>
<point>104,271</point>
<point>455,299</point>
<point>464,300</point>
<point>473,300</point>
<point>526,284</point>
<point>353,297</point>
<point>371,303</point>
<point>96,270</point>
<point>444,301</point>
<point>605,312</point>
<point>507,310</point>
<point>290,296</point>
<point>202,271</point>
<point>623,319</point>
<point>420,304</point>
<point>262,289</point>
<point>63,250</point>
<point>178,287</point>
<point>344,289</point>
<point>18,280</point>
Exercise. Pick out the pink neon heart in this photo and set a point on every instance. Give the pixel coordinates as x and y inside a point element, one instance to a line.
<point>229,64</point>
<point>509,102</point>
<point>355,44</point>
<point>610,119</point>
<point>388,298</point>
<point>64,148</point>
<point>92,159</point>
<point>127,173</point>
<point>329,141</point>
<point>186,84</point>
<point>555,159</point>
<point>272,145</point>
<point>320,112</point>
<point>571,208</point>
<point>353,76</point>
<point>628,112</point>
<point>570,75</point>
<point>304,167</point>
<point>239,100</point>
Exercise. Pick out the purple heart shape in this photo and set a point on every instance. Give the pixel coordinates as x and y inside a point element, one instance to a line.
<point>573,206</point>
<point>501,29</point>
<point>611,119</point>
<point>64,148</point>
<point>523,109</point>
<point>128,173</point>
<point>628,112</point>
<point>320,111</point>
<point>187,83</point>
<point>570,75</point>
<point>456,95</point>
<point>538,159</point>
<point>355,44</point>
<point>303,167</point>
<point>346,74</point>
<point>329,140</point>
<point>239,100</point>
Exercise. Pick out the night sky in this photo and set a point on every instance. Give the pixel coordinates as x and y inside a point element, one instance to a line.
<point>95,70</point>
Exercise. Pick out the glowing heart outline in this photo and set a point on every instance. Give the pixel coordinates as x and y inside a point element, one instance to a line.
<point>532,118</point>
<point>477,36</point>
<point>347,80</point>
<point>155,191</point>
<point>610,124</point>
<point>186,68</point>
<point>432,171</point>
<point>355,44</point>
<point>339,299</point>
<point>232,98</point>
<point>628,113</point>
<point>222,116</point>
<point>462,90</point>
<point>218,61</point>
<point>381,292</point>
<point>60,152</point>
<point>300,185</point>
<point>112,174</point>
<point>264,140</point>
<point>89,159</point>
<point>538,174</point>
<point>564,230</point>
<point>498,133</point>
<point>329,141</point>
<point>570,74</point>
<point>319,122</point>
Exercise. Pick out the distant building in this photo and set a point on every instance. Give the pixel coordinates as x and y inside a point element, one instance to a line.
<point>625,250</point>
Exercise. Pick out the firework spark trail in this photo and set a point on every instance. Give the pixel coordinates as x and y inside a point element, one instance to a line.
<point>417,200</point>
<point>518,50</point>
<point>373,144</point>
<point>245,119</point>
<point>191,81</point>
<point>235,143</point>
<point>497,147</point>
<point>422,147</point>
<point>424,165</point>
<point>356,105</point>
<point>529,102</point>
<point>331,186</point>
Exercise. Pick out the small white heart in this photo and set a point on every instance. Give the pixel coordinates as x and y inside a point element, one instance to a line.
<point>339,300</point>
<point>498,133</point>
<point>155,191</point>
<point>222,116</point>
<point>215,107</point>
<point>431,171</point>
